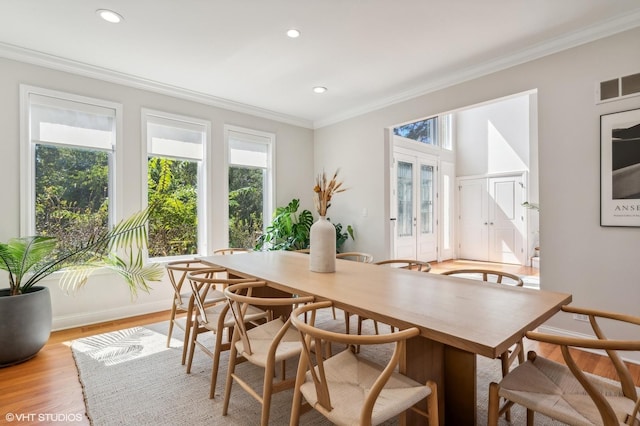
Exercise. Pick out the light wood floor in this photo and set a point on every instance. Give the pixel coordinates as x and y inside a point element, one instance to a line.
<point>46,388</point>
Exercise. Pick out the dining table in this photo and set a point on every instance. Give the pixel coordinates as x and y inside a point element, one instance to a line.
<point>458,318</point>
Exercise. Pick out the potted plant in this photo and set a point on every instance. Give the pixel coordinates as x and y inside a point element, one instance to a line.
<point>290,230</point>
<point>25,307</point>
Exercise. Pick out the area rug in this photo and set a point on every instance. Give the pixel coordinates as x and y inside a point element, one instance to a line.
<point>130,377</point>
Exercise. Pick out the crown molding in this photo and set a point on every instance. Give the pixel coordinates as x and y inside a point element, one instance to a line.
<point>592,33</point>
<point>586,35</point>
<point>33,57</point>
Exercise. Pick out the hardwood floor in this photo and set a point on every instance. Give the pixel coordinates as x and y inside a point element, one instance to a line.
<point>45,390</point>
<point>469,264</point>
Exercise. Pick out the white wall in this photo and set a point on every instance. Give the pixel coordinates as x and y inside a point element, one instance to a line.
<point>493,138</point>
<point>106,297</point>
<point>597,265</point>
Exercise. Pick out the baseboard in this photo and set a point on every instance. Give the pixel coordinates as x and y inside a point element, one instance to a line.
<point>70,321</point>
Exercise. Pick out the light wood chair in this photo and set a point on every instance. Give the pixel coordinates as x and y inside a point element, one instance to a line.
<point>347,388</point>
<point>507,358</point>
<point>566,393</point>
<point>306,251</point>
<point>215,318</point>
<point>411,264</point>
<point>231,250</point>
<point>488,275</point>
<point>183,301</point>
<point>264,346</point>
<point>357,257</point>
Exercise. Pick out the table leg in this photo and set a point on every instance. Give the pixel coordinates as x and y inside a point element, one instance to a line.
<point>453,370</point>
<point>460,389</point>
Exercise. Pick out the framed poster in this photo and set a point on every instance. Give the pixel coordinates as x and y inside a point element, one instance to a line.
<point>620,168</point>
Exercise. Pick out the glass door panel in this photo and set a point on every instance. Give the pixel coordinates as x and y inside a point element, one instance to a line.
<point>405,199</point>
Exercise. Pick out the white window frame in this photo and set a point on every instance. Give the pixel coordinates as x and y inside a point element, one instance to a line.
<point>202,231</point>
<point>27,154</point>
<point>270,141</point>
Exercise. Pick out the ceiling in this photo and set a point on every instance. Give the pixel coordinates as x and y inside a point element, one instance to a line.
<point>235,54</point>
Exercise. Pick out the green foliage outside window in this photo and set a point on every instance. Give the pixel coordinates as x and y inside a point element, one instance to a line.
<point>246,197</point>
<point>173,224</point>
<point>72,194</point>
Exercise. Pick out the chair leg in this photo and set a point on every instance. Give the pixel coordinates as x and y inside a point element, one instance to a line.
<point>233,353</point>
<point>504,360</point>
<point>216,364</point>
<point>296,404</point>
<point>530,417</point>
<point>267,390</point>
<point>494,405</point>
<point>432,404</point>
<point>172,318</point>
<point>187,335</point>
<point>192,347</point>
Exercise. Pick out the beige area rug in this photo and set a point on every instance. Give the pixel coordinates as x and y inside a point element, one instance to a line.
<point>130,377</point>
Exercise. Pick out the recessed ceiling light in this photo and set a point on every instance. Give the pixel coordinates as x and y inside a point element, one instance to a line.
<point>293,33</point>
<point>110,16</point>
<point>319,89</point>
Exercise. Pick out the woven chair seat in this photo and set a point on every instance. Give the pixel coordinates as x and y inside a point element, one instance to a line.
<point>213,315</point>
<point>564,397</point>
<point>349,378</point>
<point>262,338</point>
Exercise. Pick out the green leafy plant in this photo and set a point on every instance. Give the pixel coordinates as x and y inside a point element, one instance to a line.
<point>290,230</point>
<point>28,260</point>
<point>341,236</point>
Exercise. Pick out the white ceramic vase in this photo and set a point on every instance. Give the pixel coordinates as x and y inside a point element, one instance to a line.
<point>322,250</point>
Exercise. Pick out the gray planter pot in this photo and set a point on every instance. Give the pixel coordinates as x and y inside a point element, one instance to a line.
<point>25,324</point>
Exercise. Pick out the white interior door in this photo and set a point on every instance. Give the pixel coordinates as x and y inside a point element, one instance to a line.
<point>506,220</point>
<point>414,195</point>
<point>473,241</point>
<point>492,220</point>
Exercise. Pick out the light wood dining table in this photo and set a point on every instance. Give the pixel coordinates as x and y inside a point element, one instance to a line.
<point>458,318</point>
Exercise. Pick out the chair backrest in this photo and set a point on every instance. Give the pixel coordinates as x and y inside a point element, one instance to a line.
<point>303,318</point>
<point>240,296</point>
<point>488,275</point>
<point>179,269</point>
<point>202,282</point>
<point>414,265</point>
<point>355,255</point>
<point>306,251</point>
<point>231,250</point>
<point>611,347</point>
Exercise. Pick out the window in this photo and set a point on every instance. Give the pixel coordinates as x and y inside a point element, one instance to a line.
<point>68,158</point>
<point>250,171</point>
<point>175,177</point>
<point>434,131</point>
<point>425,131</point>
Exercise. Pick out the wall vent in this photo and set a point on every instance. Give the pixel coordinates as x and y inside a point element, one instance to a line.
<point>618,88</point>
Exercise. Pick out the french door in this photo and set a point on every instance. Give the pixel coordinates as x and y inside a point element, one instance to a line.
<point>414,198</point>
